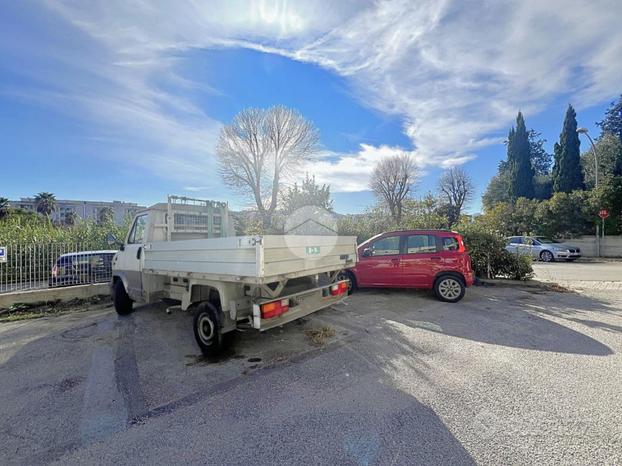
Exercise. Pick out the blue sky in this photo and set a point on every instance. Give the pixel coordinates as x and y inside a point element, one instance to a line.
<point>122,100</point>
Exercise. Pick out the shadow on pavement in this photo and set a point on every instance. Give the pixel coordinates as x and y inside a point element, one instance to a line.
<point>74,392</point>
<point>91,387</point>
<point>487,317</point>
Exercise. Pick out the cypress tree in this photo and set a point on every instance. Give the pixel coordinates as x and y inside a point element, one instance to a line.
<point>557,151</point>
<point>612,123</point>
<point>519,161</point>
<point>567,175</point>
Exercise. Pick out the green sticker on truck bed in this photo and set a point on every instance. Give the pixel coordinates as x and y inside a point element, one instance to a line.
<point>313,250</point>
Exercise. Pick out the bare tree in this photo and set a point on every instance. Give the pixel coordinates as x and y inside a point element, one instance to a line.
<point>391,181</point>
<point>260,149</point>
<point>456,188</point>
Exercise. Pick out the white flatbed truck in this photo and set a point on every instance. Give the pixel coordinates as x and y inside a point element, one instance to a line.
<point>230,282</point>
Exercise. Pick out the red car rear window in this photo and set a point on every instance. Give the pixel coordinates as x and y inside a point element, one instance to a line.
<point>451,243</point>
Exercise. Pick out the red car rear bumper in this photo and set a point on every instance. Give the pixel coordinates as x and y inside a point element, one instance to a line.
<point>470,278</point>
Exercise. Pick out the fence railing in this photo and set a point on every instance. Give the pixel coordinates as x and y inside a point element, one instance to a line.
<point>43,265</point>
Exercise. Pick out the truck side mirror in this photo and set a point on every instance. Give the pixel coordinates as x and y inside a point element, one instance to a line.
<point>366,252</point>
<point>112,240</point>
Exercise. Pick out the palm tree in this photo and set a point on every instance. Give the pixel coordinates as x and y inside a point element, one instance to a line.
<point>4,207</point>
<point>105,215</point>
<point>71,218</point>
<point>45,203</point>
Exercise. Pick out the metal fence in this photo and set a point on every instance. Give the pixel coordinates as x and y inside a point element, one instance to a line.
<point>44,265</point>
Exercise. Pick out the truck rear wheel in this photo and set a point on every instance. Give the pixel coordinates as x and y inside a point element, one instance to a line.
<point>208,329</point>
<point>122,302</point>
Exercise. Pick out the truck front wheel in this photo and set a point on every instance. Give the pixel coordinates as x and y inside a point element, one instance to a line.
<point>122,302</point>
<point>208,329</point>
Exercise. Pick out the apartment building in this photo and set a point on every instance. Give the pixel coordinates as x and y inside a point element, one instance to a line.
<point>88,210</point>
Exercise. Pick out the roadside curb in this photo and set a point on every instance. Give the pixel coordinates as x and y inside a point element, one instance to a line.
<point>48,295</point>
<point>509,283</point>
<point>598,260</point>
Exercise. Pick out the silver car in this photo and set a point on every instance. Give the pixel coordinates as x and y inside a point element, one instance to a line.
<point>542,248</point>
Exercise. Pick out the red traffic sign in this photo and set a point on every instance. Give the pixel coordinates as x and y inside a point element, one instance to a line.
<point>603,213</point>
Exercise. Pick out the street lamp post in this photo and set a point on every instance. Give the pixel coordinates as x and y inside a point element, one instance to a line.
<point>584,131</point>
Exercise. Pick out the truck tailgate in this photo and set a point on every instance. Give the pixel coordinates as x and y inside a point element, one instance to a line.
<point>292,254</point>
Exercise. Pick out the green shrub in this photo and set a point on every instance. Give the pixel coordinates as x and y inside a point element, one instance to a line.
<point>34,242</point>
<point>515,266</point>
<point>28,229</point>
<point>489,257</point>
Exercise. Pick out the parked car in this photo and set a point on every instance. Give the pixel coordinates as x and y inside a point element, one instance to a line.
<point>82,268</point>
<point>427,259</point>
<point>542,248</point>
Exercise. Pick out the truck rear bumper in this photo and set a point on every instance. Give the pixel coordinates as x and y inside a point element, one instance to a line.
<point>301,305</point>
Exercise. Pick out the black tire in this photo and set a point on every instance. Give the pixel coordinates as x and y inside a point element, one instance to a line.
<point>347,275</point>
<point>122,302</point>
<point>207,326</point>
<point>449,288</point>
<point>547,256</point>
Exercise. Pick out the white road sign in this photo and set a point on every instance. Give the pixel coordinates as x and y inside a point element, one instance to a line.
<point>2,254</point>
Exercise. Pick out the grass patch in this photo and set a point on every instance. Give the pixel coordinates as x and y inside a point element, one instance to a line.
<point>319,336</point>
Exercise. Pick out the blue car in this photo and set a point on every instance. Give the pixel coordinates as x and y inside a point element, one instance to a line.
<point>82,268</point>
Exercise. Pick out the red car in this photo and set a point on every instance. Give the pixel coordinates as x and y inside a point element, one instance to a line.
<point>428,259</point>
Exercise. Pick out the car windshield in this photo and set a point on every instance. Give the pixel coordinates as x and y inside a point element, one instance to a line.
<point>546,240</point>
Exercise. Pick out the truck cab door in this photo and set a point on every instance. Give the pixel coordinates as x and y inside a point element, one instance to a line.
<point>131,258</point>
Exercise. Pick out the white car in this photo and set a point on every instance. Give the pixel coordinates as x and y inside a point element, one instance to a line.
<point>542,248</point>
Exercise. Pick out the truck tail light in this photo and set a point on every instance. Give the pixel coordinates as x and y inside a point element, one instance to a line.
<point>339,288</point>
<point>274,308</point>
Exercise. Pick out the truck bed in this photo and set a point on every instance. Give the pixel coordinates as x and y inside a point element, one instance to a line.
<point>251,259</point>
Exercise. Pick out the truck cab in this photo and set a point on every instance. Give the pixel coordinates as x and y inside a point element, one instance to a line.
<point>181,218</point>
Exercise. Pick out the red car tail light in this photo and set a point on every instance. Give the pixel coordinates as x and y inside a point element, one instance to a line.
<point>274,308</point>
<point>339,288</point>
<point>461,247</point>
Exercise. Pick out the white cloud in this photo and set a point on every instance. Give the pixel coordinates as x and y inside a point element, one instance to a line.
<point>350,172</point>
<point>455,72</point>
<point>458,73</point>
<point>196,189</point>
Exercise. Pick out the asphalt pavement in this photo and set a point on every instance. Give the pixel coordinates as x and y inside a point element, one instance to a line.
<point>507,376</point>
<point>594,275</point>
